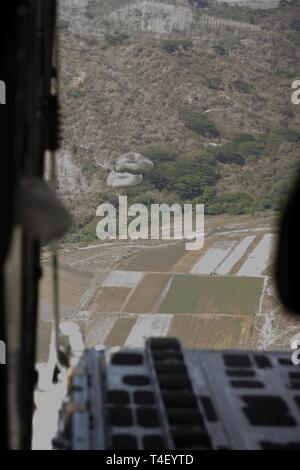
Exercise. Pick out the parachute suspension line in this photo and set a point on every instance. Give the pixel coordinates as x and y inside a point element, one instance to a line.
<point>54,141</point>
<point>55,280</point>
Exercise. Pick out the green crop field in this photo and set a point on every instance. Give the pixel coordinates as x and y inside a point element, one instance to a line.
<point>213,295</point>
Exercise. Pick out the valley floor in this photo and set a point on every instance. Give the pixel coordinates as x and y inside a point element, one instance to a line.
<point>220,297</point>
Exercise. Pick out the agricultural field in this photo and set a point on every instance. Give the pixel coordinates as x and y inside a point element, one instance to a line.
<point>222,296</point>
<point>213,295</point>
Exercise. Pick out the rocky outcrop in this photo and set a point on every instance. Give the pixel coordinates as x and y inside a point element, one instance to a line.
<point>160,17</point>
<point>70,176</point>
<point>260,4</point>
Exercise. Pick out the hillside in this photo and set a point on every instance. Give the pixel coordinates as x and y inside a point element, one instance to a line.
<point>203,89</point>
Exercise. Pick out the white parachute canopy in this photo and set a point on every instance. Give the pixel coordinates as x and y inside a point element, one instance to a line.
<point>122,180</point>
<point>134,163</point>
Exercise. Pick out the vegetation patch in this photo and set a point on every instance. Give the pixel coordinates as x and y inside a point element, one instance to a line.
<point>176,45</point>
<point>214,295</point>
<point>186,176</point>
<point>197,122</point>
<point>194,176</point>
<point>219,50</point>
<point>243,87</point>
<point>116,39</point>
<point>215,83</point>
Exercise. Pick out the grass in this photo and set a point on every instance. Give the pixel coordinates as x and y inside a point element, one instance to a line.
<point>214,295</point>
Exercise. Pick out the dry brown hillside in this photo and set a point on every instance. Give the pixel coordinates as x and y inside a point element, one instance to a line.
<point>203,92</point>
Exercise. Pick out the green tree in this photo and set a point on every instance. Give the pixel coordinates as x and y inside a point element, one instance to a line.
<point>197,122</point>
